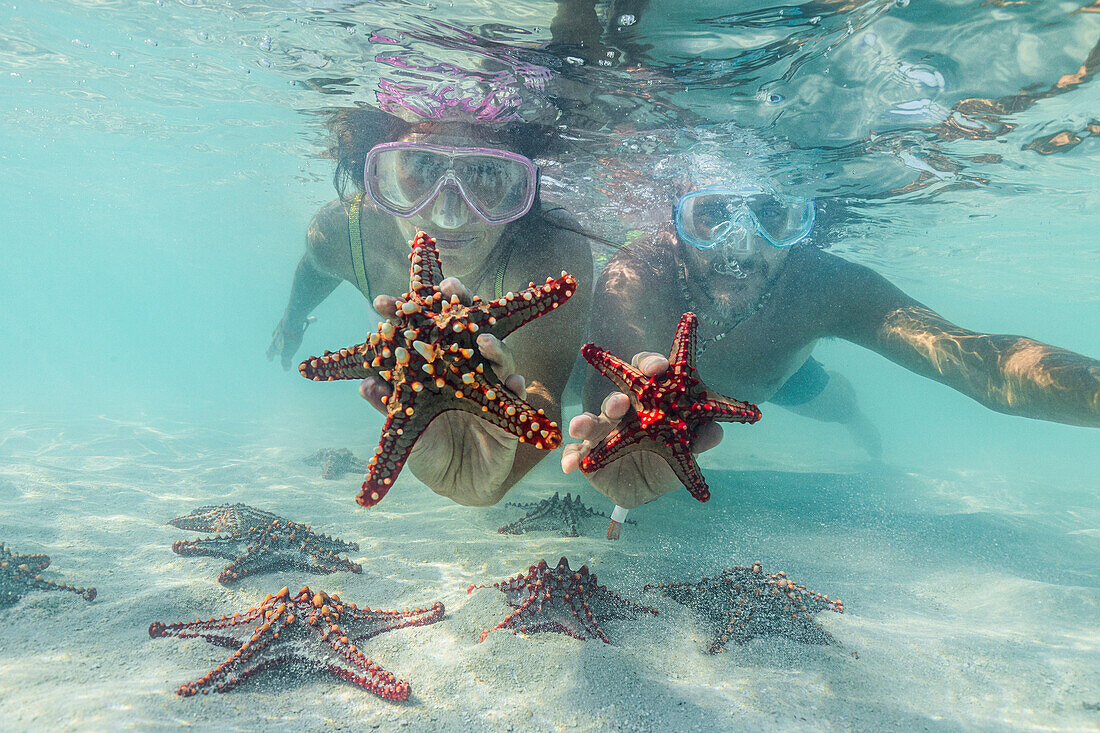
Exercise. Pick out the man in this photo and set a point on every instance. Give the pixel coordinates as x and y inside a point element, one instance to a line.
<point>763,303</point>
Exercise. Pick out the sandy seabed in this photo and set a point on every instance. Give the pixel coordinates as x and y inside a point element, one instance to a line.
<point>967,606</point>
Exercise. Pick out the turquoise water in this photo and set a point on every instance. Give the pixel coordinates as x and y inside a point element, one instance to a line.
<point>161,162</point>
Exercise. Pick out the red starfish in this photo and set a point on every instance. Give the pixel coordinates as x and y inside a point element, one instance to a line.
<point>430,358</point>
<point>312,629</point>
<point>666,411</point>
<point>561,600</point>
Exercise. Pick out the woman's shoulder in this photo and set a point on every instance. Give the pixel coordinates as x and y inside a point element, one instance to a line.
<point>327,238</point>
<point>329,224</point>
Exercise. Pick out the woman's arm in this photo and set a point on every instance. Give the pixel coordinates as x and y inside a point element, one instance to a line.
<point>313,282</point>
<point>545,356</point>
<point>1010,374</point>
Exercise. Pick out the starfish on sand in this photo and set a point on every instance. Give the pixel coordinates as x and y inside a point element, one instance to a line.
<point>428,353</point>
<point>666,411</point>
<point>308,631</point>
<point>335,462</point>
<point>741,603</point>
<point>21,574</point>
<point>258,541</point>
<point>560,599</point>
<point>554,513</point>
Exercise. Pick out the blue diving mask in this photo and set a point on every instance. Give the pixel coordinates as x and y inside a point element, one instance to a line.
<point>728,215</point>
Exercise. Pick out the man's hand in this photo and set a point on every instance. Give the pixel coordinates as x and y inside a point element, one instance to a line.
<point>286,339</point>
<point>639,477</point>
<point>459,456</point>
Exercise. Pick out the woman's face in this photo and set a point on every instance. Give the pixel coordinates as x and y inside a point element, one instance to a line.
<point>463,238</point>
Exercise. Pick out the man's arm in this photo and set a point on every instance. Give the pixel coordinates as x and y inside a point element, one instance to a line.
<point>1010,374</point>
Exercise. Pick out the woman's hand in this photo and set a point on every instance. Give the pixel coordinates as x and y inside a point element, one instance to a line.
<point>639,477</point>
<point>286,339</point>
<point>459,456</point>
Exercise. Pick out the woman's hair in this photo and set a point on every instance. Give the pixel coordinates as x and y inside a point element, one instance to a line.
<point>355,130</point>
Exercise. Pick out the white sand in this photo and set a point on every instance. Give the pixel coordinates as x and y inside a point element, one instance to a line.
<point>966,608</point>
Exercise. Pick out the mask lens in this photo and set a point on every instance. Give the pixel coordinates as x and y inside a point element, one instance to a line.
<point>783,220</point>
<point>403,177</point>
<point>704,218</point>
<point>496,186</point>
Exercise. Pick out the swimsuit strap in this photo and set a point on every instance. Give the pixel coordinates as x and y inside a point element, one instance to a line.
<point>355,241</point>
<point>505,256</point>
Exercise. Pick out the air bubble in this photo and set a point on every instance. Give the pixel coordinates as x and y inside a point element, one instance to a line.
<point>265,62</point>
<point>901,3</point>
<point>265,43</point>
<point>150,42</point>
<point>627,19</point>
<point>773,98</point>
<point>576,61</point>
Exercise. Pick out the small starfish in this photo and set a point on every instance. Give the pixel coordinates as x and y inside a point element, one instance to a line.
<point>666,411</point>
<point>561,600</point>
<point>552,513</point>
<point>311,629</point>
<point>19,574</point>
<point>260,541</point>
<point>428,353</point>
<point>335,462</point>
<point>742,603</point>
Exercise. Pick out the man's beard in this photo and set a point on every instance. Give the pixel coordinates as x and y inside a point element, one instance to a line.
<point>736,284</point>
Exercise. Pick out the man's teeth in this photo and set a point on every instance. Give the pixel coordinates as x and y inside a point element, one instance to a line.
<point>730,267</point>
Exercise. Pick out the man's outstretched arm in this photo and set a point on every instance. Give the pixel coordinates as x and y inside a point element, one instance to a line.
<point>1010,374</point>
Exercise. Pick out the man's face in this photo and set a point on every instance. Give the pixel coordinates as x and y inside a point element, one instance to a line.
<point>736,273</point>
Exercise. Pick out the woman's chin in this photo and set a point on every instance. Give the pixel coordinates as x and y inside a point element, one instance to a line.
<point>455,242</point>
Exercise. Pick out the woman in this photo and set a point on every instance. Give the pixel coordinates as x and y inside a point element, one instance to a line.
<point>474,189</point>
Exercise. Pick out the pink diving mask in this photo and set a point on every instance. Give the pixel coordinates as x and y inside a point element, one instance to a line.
<point>404,178</point>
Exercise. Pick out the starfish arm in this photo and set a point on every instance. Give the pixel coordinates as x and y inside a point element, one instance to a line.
<point>571,518</point>
<point>323,544</point>
<point>348,663</point>
<point>731,626</point>
<point>34,561</point>
<point>494,403</point>
<point>683,343</point>
<point>725,409</point>
<point>227,631</point>
<point>682,462</point>
<point>623,375</point>
<point>507,313</point>
<point>228,546</point>
<point>521,609</point>
<point>402,429</point>
<point>258,652</point>
<point>256,559</point>
<point>350,363</point>
<point>615,606</point>
<point>372,623</point>
<point>619,442</point>
<point>425,268</point>
<point>326,565</point>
